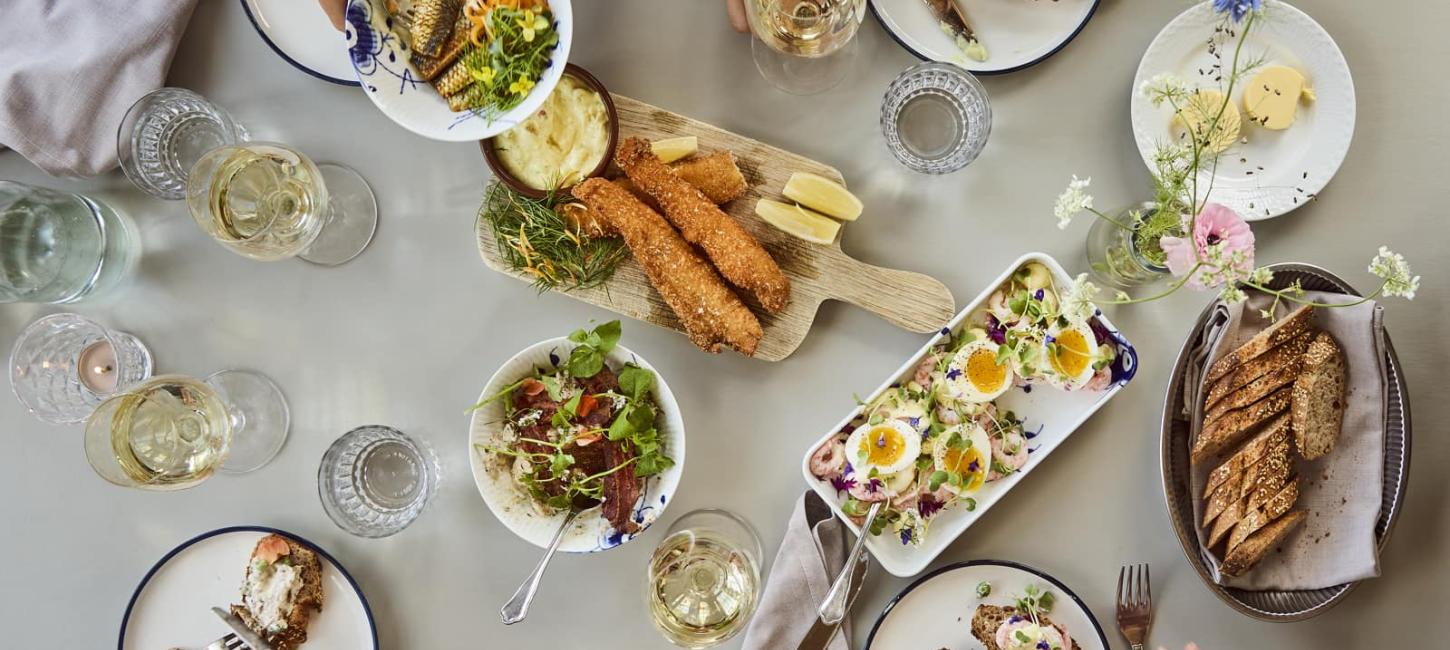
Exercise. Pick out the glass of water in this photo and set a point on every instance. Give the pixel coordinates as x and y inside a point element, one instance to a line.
<point>58,247</point>
<point>375,480</point>
<point>163,135</point>
<point>936,117</point>
<point>704,579</point>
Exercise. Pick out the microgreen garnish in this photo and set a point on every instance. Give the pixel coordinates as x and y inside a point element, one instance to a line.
<point>535,237</point>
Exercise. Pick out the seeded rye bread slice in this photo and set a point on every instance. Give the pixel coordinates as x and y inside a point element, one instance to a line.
<point>307,604</point>
<point>1274,335</point>
<point>1238,424</point>
<point>1318,404</point>
<point>1247,554</point>
<point>1271,509</point>
<point>1227,482</point>
<point>1255,390</point>
<point>1260,482</point>
<point>988,618</point>
<point>1291,352</point>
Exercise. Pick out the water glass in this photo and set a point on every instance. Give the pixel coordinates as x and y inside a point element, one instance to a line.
<point>163,135</point>
<point>64,365</point>
<point>936,117</point>
<point>1114,253</point>
<point>804,47</point>
<point>704,578</point>
<point>375,480</point>
<point>58,247</point>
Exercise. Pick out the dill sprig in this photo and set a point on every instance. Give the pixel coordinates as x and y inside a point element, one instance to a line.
<point>535,238</point>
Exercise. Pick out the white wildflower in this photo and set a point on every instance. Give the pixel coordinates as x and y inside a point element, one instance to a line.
<point>1072,201</point>
<point>1233,295</point>
<point>1395,271</point>
<point>1077,301</point>
<point>1261,276</point>
<point>1163,87</point>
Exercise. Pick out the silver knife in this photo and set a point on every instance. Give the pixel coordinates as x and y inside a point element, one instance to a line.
<point>245,633</point>
<point>821,633</point>
<point>951,16</point>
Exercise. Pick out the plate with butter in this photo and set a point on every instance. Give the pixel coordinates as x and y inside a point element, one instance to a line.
<point>1290,113</point>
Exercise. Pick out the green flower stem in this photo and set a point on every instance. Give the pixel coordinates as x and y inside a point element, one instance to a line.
<point>1171,288</point>
<point>1285,295</point>
<point>1227,97</point>
<point>1109,219</point>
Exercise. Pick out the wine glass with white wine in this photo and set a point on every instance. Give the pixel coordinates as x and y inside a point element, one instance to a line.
<point>704,579</point>
<point>173,432</point>
<point>804,46</point>
<point>268,201</point>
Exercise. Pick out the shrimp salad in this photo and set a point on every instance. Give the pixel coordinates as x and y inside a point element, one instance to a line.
<point>935,439</point>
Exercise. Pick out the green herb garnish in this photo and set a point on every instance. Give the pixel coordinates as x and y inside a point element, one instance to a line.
<point>984,589</point>
<point>534,237</point>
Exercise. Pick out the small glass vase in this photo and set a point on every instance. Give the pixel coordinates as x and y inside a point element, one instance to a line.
<point>1114,252</point>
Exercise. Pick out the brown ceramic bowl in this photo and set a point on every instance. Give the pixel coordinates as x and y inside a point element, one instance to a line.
<point>519,186</point>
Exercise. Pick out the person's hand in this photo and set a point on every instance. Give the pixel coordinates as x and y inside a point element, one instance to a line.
<point>736,10</point>
<point>335,10</point>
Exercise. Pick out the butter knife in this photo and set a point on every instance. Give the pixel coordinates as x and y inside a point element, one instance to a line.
<point>821,633</point>
<point>952,18</point>
<point>243,632</point>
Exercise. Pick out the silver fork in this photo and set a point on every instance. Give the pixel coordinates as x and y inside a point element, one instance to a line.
<point>1135,604</point>
<point>228,642</point>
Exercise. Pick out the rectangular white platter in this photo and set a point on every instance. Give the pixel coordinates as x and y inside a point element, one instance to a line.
<point>1050,415</point>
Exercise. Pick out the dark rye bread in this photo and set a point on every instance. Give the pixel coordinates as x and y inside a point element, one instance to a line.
<point>1281,331</point>
<point>1237,424</point>
<point>307,604</point>
<point>1247,554</point>
<point>1291,353</point>
<point>1318,404</point>
<point>988,618</point>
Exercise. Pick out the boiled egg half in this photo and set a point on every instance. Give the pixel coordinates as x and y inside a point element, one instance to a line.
<point>1069,353</point>
<point>970,458</point>
<point>888,447</point>
<point>974,374</point>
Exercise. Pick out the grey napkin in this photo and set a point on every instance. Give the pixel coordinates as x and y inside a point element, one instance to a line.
<point>1341,491</point>
<point>810,557</point>
<point>73,67</point>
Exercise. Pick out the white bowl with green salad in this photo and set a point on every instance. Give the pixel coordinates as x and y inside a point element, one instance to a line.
<point>459,70</point>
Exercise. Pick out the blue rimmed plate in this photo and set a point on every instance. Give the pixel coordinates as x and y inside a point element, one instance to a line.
<point>1018,34</point>
<point>169,609</point>
<point>300,33</point>
<point>380,62</point>
<point>936,610</point>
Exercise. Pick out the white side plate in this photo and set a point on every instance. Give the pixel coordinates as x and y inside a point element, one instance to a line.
<point>1017,33</point>
<point>300,33</point>
<point>1049,416</point>
<point>172,606</point>
<point>936,611</point>
<point>1275,171</point>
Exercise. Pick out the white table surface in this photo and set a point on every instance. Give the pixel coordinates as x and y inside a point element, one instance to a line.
<point>407,334</point>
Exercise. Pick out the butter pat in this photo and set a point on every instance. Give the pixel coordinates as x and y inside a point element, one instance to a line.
<point>1272,98</point>
<point>1198,113</point>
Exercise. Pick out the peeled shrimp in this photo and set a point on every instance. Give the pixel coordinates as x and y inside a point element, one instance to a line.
<point>997,304</point>
<point>1010,450</point>
<point>925,368</point>
<point>987,419</point>
<point>863,490</point>
<point>947,415</point>
<point>830,459</point>
<point>1101,380</point>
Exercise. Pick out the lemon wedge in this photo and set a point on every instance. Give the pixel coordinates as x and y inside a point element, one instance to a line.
<point>669,150</point>
<point>1196,116</point>
<point>797,221</point>
<point>823,195</point>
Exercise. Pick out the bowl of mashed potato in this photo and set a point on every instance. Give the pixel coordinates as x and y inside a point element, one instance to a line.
<point>570,137</point>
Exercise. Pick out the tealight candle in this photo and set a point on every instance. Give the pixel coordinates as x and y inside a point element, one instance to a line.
<point>96,367</point>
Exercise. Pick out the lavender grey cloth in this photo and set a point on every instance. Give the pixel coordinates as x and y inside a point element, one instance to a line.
<point>1341,491</point>
<point>72,68</point>
<point>810,556</point>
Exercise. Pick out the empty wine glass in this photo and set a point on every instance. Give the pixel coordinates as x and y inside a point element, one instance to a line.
<point>64,365</point>
<point>374,480</point>
<point>268,201</point>
<point>163,135</point>
<point>173,432</point>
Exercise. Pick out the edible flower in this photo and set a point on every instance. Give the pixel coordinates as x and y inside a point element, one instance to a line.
<point>531,24</point>
<point>928,505</point>
<point>1221,250</point>
<point>484,75</point>
<point>521,87</point>
<point>842,484</point>
<point>1072,201</point>
<point>1237,8</point>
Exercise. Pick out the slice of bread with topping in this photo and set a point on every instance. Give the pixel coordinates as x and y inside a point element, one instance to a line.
<point>282,591</point>
<point>989,618</point>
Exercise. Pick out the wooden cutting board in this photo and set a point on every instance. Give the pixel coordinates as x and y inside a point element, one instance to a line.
<point>817,272</point>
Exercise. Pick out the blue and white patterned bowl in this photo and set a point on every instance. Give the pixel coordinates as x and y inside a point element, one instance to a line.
<point>590,532</point>
<point>380,60</point>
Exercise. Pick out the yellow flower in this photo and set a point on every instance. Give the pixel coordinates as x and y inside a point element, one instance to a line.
<point>527,22</point>
<point>521,87</point>
<point>485,75</point>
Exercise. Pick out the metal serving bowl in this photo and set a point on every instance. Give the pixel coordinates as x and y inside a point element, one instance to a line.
<point>1278,605</point>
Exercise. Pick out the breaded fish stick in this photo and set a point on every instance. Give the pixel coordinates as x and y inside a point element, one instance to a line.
<point>716,175</point>
<point>738,256</point>
<point>710,312</point>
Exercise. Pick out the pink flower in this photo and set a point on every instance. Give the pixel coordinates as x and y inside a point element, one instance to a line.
<point>1222,243</point>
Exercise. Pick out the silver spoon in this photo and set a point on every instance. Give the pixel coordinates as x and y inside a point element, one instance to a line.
<point>518,607</point>
<point>834,608</point>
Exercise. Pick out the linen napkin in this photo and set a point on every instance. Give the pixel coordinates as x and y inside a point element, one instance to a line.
<point>73,67</point>
<point>1342,490</point>
<point>810,557</point>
